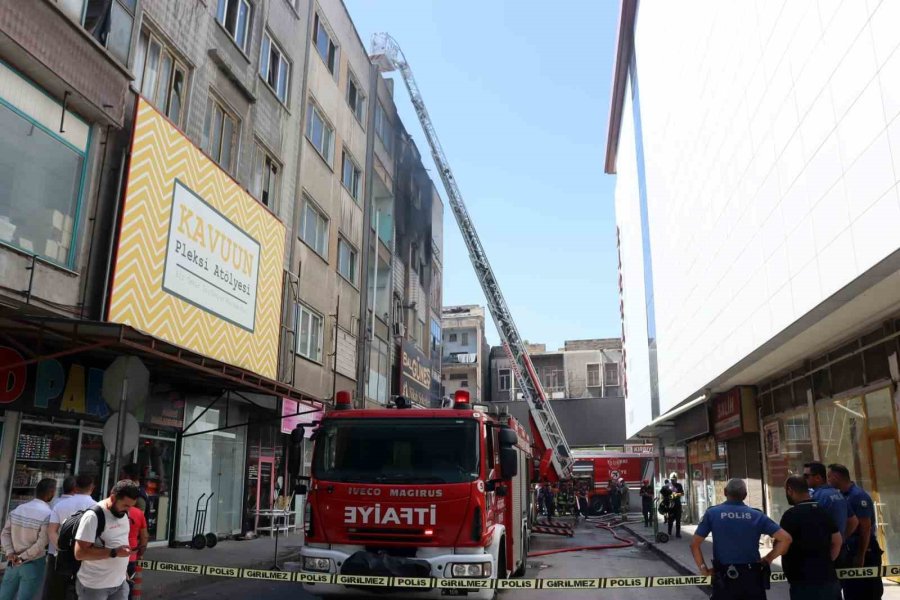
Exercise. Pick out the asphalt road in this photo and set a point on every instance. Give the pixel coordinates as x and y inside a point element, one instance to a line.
<point>622,562</point>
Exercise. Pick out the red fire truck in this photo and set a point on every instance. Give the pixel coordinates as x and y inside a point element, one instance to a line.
<point>595,468</point>
<point>417,493</point>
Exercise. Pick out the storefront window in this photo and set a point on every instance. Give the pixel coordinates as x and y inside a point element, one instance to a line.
<point>156,460</point>
<point>91,460</point>
<point>41,181</point>
<point>842,434</point>
<point>212,463</point>
<point>788,446</point>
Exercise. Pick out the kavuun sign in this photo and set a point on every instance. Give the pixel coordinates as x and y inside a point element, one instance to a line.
<point>199,260</point>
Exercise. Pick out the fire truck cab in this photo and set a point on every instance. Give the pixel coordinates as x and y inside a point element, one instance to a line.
<point>417,493</point>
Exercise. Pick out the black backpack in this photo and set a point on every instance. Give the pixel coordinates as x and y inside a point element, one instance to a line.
<point>66,563</point>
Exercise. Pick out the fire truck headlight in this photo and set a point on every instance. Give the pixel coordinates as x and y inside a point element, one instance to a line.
<point>312,563</point>
<point>471,569</point>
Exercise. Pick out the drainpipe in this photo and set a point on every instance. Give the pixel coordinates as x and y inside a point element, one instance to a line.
<point>363,341</point>
<point>289,333</point>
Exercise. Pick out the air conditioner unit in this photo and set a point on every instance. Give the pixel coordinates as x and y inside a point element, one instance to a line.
<point>520,396</point>
<point>557,395</point>
<point>399,329</point>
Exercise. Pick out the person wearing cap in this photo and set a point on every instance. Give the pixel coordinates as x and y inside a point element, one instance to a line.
<point>675,508</point>
<point>646,493</point>
<point>737,570</point>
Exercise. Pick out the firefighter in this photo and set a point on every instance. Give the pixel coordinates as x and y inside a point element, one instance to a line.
<point>665,501</point>
<point>738,572</point>
<point>675,508</point>
<point>646,493</point>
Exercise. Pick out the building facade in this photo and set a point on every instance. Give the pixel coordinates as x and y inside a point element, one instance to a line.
<point>193,182</point>
<point>465,352</point>
<point>756,189</point>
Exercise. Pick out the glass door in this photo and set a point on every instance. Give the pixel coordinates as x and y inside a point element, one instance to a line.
<point>885,456</point>
<point>156,460</point>
<point>92,460</point>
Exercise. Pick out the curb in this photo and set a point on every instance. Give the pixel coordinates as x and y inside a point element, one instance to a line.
<point>667,558</point>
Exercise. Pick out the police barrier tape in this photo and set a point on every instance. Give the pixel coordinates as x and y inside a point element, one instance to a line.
<point>586,583</point>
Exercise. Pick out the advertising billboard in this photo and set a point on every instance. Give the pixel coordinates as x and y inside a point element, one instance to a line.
<point>199,261</point>
<point>415,374</point>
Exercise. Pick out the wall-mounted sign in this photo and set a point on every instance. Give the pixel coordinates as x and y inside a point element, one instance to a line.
<point>772,436</point>
<point>641,449</point>
<point>415,374</point>
<point>199,262</point>
<point>727,415</point>
<point>702,450</point>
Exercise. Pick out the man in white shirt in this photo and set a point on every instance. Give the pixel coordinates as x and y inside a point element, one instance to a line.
<point>104,558</point>
<point>24,541</point>
<point>59,585</point>
<point>68,489</point>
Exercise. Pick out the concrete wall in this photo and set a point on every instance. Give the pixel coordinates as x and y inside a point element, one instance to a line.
<point>771,169</point>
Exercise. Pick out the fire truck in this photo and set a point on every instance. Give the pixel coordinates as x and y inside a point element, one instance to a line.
<point>595,468</point>
<point>408,492</point>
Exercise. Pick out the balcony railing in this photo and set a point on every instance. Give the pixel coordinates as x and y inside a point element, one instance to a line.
<point>460,358</point>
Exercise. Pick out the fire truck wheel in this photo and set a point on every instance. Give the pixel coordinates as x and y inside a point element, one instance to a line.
<point>502,573</point>
<point>596,505</point>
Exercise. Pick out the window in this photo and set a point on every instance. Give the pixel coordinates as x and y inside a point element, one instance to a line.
<point>161,77</point>
<point>464,383</point>
<point>356,99</point>
<point>505,379</point>
<point>315,229</point>
<point>264,179</point>
<point>554,379</point>
<point>324,46</point>
<point>320,133</point>
<point>220,134</point>
<point>350,175</point>
<point>346,261</point>
<point>611,374</point>
<point>383,127</point>
<point>453,337</point>
<point>41,175</point>
<point>309,341</point>
<point>593,375</point>
<point>110,22</point>
<point>234,16</point>
<point>458,376</point>
<point>274,68</point>
<point>465,339</point>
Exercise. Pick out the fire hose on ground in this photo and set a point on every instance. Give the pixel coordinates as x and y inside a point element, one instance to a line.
<point>604,524</point>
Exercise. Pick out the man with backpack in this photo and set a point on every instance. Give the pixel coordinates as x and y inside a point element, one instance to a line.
<point>101,545</point>
<point>24,540</point>
<point>60,582</point>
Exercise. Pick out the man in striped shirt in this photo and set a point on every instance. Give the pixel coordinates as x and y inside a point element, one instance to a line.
<point>24,539</point>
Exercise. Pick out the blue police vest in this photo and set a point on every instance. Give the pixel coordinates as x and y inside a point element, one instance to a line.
<point>736,529</point>
<point>834,502</point>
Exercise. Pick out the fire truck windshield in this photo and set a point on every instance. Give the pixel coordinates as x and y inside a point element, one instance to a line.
<point>403,451</point>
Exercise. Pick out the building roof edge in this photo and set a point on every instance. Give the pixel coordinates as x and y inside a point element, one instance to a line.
<point>624,51</point>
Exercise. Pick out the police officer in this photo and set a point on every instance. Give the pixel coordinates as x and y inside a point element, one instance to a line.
<point>675,508</point>
<point>738,573</point>
<point>833,501</point>
<point>862,549</point>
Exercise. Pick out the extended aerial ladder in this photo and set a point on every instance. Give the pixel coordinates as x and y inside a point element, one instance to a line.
<point>387,56</point>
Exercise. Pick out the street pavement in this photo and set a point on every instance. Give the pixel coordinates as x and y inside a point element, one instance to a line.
<point>638,561</point>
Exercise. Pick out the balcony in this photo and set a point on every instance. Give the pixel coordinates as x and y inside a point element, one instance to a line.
<point>460,358</point>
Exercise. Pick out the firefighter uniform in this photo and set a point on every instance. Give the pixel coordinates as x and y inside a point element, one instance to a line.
<point>736,528</point>
<point>857,589</point>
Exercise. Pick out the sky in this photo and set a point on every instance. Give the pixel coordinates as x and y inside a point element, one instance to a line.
<point>519,96</point>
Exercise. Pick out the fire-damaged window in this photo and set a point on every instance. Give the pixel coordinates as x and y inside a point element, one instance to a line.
<point>110,22</point>
<point>397,451</point>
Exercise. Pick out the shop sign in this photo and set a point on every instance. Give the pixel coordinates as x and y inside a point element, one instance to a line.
<point>290,419</point>
<point>199,261</point>
<point>51,386</point>
<point>727,415</point>
<point>415,374</point>
<point>702,450</point>
<point>641,449</point>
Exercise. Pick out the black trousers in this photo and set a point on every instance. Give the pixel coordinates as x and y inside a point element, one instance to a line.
<point>646,505</point>
<point>816,591</point>
<point>748,586</point>
<point>57,586</point>
<point>675,518</point>
<point>865,589</point>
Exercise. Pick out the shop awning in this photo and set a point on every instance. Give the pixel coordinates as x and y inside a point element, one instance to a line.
<point>40,338</point>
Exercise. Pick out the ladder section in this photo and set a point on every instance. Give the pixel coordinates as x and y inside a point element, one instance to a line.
<point>387,56</point>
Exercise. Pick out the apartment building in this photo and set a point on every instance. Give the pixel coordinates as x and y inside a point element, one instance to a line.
<point>465,353</point>
<point>756,196</point>
<point>583,380</point>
